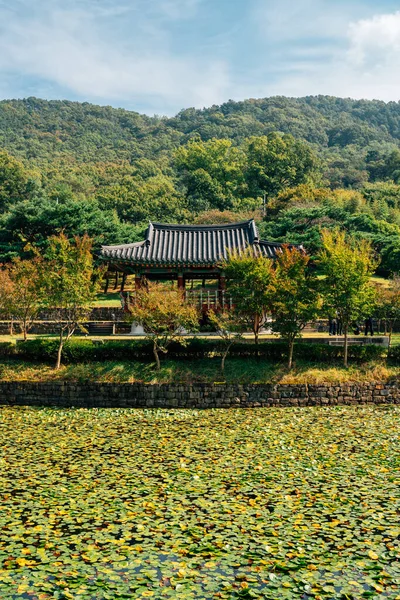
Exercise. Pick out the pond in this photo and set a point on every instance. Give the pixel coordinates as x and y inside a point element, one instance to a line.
<point>269,503</point>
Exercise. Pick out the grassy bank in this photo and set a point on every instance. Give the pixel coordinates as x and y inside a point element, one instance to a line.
<point>196,505</point>
<point>207,370</point>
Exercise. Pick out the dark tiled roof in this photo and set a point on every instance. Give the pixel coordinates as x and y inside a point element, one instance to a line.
<point>190,244</point>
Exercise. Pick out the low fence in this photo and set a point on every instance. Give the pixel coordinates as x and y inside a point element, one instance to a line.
<point>200,396</point>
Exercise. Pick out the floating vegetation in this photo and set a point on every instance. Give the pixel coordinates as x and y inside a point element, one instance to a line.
<point>267,503</point>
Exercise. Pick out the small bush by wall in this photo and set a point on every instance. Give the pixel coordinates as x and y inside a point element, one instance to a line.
<point>7,349</point>
<point>394,355</point>
<point>76,351</point>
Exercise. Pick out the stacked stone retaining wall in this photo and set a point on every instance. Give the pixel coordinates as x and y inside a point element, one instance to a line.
<point>137,395</point>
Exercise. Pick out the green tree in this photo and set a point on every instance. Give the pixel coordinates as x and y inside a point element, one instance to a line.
<point>347,265</point>
<point>139,200</point>
<point>228,329</point>
<point>388,305</point>
<point>211,173</point>
<point>275,161</point>
<point>25,299</point>
<point>296,299</point>
<point>34,221</point>
<point>13,180</point>
<point>214,217</point>
<point>163,314</point>
<point>384,164</point>
<point>6,295</point>
<point>69,283</point>
<point>249,279</point>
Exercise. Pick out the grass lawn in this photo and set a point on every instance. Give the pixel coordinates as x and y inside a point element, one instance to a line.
<point>237,370</point>
<point>268,503</point>
<point>110,299</point>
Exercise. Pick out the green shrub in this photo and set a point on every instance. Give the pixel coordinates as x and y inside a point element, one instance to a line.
<point>7,349</point>
<point>394,355</point>
<point>321,353</point>
<point>40,349</point>
<point>81,351</point>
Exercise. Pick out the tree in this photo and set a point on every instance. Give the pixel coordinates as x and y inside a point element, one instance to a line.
<point>6,294</point>
<point>228,329</point>
<point>214,217</point>
<point>164,314</point>
<point>211,173</point>
<point>69,283</point>
<point>13,180</point>
<point>139,199</point>
<point>274,162</point>
<point>295,299</point>
<point>26,297</point>
<point>249,283</point>
<point>35,220</point>
<point>388,305</point>
<point>347,265</point>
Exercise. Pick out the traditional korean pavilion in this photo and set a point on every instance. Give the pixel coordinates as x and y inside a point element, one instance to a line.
<point>186,252</point>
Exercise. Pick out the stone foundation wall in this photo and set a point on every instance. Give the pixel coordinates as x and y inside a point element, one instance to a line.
<point>138,395</point>
<point>48,327</point>
<point>99,313</point>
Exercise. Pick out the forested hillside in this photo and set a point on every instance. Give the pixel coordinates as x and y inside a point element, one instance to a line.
<point>320,161</point>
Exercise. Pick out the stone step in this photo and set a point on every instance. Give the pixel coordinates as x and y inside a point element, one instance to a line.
<point>104,328</point>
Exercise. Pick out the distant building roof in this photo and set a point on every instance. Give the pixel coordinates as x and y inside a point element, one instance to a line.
<point>197,245</point>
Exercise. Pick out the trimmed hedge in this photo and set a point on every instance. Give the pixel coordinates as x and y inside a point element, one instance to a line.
<point>81,351</point>
<point>7,349</point>
<point>394,355</point>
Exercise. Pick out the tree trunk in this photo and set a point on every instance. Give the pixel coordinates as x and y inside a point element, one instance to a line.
<point>290,358</point>
<point>256,339</point>
<point>225,354</point>
<point>390,339</point>
<point>123,282</point>
<point>106,285</point>
<point>60,348</point>
<point>12,326</point>
<point>346,344</point>
<point>256,328</point>
<point>155,352</point>
<point>116,280</point>
<point>24,331</point>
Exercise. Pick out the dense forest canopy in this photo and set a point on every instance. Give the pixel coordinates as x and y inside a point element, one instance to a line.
<point>318,161</point>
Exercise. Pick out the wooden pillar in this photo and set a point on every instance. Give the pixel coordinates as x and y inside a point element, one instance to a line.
<point>116,280</point>
<point>220,300</point>
<point>138,281</point>
<point>107,283</point>
<point>181,282</point>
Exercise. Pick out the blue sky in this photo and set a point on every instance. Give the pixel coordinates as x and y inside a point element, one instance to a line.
<point>158,56</point>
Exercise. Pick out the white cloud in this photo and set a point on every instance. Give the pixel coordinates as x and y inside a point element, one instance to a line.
<point>375,41</point>
<point>79,50</point>
<point>124,51</point>
<point>289,20</point>
<point>362,59</point>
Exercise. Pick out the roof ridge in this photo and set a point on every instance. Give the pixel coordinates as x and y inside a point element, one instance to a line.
<point>199,226</point>
<point>131,245</point>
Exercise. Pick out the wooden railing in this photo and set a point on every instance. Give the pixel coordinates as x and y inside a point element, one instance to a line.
<point>209,299</point>
<point>205,299</point>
